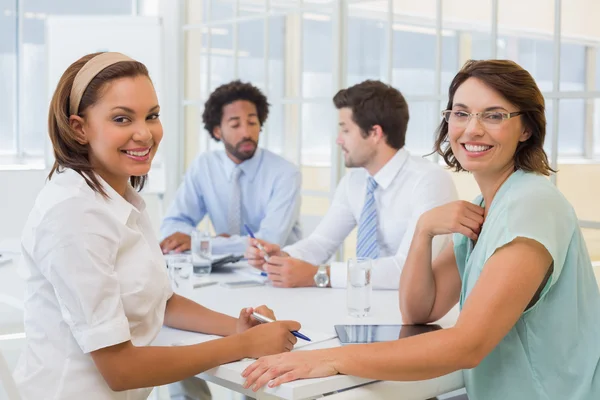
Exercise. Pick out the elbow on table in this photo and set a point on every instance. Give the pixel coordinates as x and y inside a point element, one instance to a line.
<point>411,316</point>
<point>116,381</point>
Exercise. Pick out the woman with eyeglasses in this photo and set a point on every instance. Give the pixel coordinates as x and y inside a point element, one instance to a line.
<point>529,325</point>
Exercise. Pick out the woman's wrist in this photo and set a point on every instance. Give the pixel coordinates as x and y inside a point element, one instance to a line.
<point>422,231</point>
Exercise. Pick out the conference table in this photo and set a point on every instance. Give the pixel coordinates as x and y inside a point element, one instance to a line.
<point>318,310</point>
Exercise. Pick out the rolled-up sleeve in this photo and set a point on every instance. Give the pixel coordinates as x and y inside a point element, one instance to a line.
<point>75,248</point>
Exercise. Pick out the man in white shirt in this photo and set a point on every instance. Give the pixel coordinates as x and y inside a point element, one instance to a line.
<point>384,196</point>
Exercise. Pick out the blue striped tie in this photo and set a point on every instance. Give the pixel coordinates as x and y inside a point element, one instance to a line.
<point>366,245</point>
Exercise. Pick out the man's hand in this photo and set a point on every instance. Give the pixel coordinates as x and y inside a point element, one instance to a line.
<point>256,257</point>
<point>290,272</point>
<point>177,242</point>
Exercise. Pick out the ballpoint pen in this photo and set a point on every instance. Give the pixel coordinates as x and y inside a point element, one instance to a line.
<point>264,319</point>
<point>260,247</point>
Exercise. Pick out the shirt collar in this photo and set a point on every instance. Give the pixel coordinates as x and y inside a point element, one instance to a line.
<point>248,167</point>
<point>386,175</point>
<point>132,204</point>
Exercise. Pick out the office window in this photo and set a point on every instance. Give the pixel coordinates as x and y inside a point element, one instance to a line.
<point>24,95</point>
<point>291,48</point>
<point>571,127</point>
<point>8,80</point>
<point>317,78</point>
<point>422,125</point>
<point>414,59</point>
<point>366,52</point>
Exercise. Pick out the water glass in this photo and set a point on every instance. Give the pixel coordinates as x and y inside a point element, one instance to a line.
<point>359,287</point>
<point>180,270</point>
<point>201,252</point>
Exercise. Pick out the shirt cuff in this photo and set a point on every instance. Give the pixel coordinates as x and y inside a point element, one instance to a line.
<point>108,334</point>
<point>338,274</point>
<point>291,251</point>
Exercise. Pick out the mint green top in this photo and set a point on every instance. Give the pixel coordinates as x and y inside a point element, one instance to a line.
<point>553,351</point>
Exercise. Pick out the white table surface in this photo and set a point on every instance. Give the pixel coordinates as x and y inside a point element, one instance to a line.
<point>317,310</point>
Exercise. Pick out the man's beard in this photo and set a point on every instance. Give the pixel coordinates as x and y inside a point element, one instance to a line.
<point>237,153</point>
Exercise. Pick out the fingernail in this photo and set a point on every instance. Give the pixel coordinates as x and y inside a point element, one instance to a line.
<point>249,309</point>
<point>246,385</point>
<point>254,388</point>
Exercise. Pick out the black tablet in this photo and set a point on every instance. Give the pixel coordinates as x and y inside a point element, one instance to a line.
<point>349,334</point>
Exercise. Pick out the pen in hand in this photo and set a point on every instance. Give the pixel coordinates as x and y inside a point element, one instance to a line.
<point>260,246</point>
<point>263,319</point>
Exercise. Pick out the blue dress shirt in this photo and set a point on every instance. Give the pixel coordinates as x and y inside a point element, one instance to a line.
<point>270,192</point>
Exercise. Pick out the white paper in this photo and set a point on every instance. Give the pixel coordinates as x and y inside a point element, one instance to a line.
<point>175,337</point>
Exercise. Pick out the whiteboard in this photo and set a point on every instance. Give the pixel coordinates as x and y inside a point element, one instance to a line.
<point>68,38</point>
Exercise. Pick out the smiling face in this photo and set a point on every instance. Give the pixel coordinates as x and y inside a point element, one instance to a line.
<point>480,147</point>
<point>121,130</point>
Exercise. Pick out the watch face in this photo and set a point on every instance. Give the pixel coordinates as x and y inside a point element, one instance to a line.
<point>321,279</point>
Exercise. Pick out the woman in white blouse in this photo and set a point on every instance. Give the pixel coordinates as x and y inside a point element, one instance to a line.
<point>97,290</point>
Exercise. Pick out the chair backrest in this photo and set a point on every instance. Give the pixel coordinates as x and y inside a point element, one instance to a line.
<point>8,383</point>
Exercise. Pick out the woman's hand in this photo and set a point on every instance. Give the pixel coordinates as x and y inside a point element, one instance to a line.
<point>270,338</point>
<point>282,368</point>
<point>256,257</point>
<point>245,320</point>
<point>456,217</point>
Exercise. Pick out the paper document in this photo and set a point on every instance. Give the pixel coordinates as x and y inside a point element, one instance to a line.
<point>175,337</point>
<point>256,274</point>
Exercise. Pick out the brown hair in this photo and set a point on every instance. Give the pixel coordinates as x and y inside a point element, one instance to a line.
<point>375,103</point>
<point>518,87</point>
<point>68,152</point>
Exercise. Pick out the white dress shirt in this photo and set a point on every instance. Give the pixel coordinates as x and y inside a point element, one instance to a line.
<point>407,186</point>
<point>95,277</point>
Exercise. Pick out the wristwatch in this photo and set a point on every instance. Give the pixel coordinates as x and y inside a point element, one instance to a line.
<point>321,277</point>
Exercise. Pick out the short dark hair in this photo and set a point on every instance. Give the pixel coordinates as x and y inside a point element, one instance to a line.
<point>375,103</point>
<point>230,93</point>
<point>518,87</point>
<point>68,152</point>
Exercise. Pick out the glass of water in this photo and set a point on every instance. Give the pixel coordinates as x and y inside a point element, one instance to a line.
<point>180,270</point>
<point>359,287</point>
<point>201,252</point>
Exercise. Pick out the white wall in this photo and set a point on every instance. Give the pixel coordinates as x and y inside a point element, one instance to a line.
<point>19,188</point>
<point>17,195</point>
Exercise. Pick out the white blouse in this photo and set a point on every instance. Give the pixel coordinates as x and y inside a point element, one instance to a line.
<point>96,277</point>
